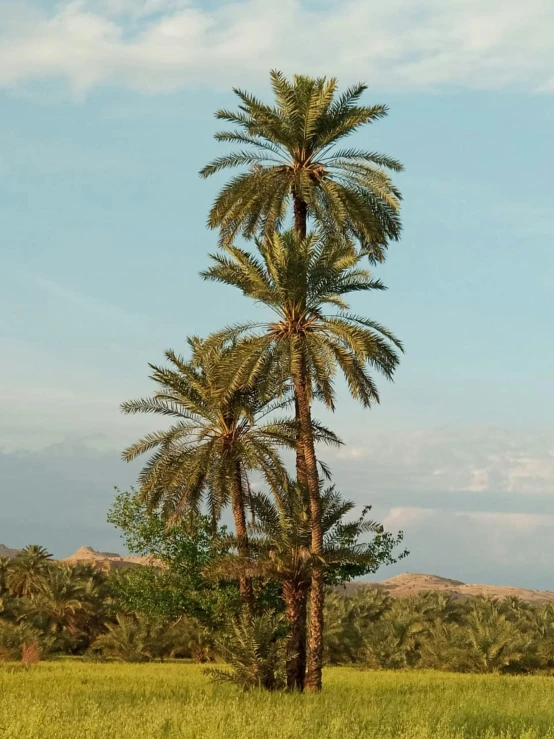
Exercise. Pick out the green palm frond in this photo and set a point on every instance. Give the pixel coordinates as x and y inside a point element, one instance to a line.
<point>299,280</point>
<point>292,156</point>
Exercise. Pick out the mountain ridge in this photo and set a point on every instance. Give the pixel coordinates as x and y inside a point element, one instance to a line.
<point>400,586</point>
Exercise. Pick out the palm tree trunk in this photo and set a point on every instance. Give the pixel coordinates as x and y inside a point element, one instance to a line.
<point>317,596</point>
<point>295,598</point>
<point>300,216</point>
<point>239,515</point>
<point>301,475</point>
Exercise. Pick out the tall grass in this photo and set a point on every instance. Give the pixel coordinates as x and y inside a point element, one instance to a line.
<point>70,699</point>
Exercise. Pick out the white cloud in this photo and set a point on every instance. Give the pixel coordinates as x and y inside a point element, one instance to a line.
<point>489,548</point>
<point>476,460</point>
<point>399,518</point>
<point>165,45</point>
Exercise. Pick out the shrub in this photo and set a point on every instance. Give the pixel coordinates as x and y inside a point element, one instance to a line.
<point>255,650</point>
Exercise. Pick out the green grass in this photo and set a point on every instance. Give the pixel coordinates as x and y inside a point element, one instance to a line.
<point>79,700</point>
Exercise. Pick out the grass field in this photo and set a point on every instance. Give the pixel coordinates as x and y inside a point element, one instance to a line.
<point>63,700</point>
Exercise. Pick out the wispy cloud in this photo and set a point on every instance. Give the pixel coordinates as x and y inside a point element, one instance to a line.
<point>472,460</point>
<point>88,303</point>
<point>165,45</point>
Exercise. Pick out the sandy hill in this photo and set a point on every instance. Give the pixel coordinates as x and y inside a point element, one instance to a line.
<point>110,560</point>
<point>7,552</point>
<point>414,583</point>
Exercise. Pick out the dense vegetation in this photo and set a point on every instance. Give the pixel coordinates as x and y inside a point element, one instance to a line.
<point>174,611</point>
<point>175,701</point>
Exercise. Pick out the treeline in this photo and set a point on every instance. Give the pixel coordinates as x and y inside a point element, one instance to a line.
<point>435,631</point>
<point>50,609</point>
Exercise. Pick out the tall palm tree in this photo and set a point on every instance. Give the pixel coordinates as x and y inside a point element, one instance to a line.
<point>301,281</point>
<point>291,157</point>
<point>28,569</point>
<point>217,438</point>
<point>280,549</point>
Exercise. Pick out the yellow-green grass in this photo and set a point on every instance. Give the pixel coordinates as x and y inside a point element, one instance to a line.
<point>79,700</point>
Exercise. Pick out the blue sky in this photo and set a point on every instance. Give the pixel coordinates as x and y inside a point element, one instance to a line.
<point>106,118</point>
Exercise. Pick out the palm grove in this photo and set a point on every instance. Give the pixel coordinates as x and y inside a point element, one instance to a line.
<point>298,227</point>
<point>312,215</point>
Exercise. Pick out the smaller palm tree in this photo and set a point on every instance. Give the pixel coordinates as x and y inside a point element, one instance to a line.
<point>28,570</point>
<point>280,549</point>
<point>60,601</point>
<point>255,650</point>
<point>216,439</point>
<point>125,640</point>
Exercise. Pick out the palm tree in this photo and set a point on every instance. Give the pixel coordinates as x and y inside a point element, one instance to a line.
<point>60,599</point>
<point>291,156</point>
<point>4,570</point>
<point>217,438</point>
<point>280,549</point>
<point>28,569</point>
<point>300,281</point>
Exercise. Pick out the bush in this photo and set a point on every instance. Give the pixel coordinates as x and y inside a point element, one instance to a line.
<point>15,639</point>
<point>255,650</point>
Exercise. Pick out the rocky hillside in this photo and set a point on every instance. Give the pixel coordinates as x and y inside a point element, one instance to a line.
<point>6,552</point>
<point>414,583</point>
<point>107,559</point>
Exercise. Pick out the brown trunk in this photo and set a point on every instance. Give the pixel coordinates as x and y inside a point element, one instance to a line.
<point>301,476</point>
<point>239,514</point>
<point>300,216</point>
<point>296,599</point>
<point>315,631</point>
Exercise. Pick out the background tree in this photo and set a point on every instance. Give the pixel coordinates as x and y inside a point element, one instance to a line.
<point>291,158</point>
<point>303,282</point>
<point>217,438</point>
<point>28,569</point>
<point>173,586</point>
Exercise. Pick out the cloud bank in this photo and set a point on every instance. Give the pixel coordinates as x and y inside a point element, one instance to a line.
<point>155,46</point>
<point>493,528</point>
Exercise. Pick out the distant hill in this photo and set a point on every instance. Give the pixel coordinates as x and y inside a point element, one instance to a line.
<point>410,583</point>
<point>108,560</point>
<point>401,586</point>
<point>6,552</point>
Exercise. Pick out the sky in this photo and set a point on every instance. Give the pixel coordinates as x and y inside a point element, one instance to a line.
<point>106,116</point>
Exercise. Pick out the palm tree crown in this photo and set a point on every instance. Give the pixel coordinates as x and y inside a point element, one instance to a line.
<point>291,157</point>
<point>197,456</point>
<point>300,281</point>
<point>28,569</point>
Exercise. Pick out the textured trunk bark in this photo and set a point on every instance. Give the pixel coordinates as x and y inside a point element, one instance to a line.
<point>301,475</point>
<point>295,598</point>
<point>239,515</point>
<point>315,630</point>
<point>300,216</point>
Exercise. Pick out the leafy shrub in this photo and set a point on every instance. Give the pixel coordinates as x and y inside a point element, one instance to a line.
<point>14,638</point>
<point>255,650</point>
